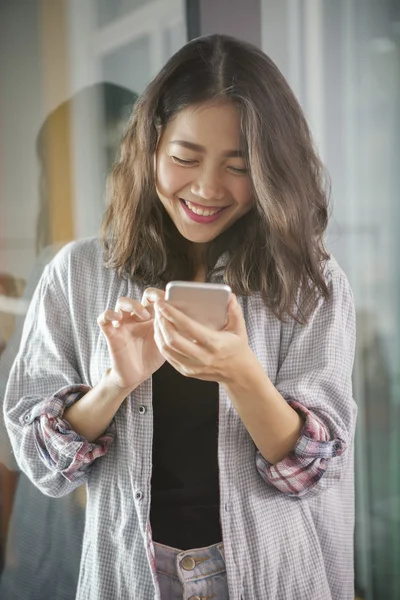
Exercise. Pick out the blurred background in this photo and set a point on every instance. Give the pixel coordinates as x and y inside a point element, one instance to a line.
<point>70,72</point>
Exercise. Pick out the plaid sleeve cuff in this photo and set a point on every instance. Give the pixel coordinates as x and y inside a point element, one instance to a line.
<point>60,448</point>
<point>298,472</point>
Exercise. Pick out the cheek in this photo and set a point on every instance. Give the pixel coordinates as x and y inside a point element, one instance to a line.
<point>244,194</point>
<point>169,178</point>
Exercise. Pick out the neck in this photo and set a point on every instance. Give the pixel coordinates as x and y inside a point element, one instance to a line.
<point>200,274</point>
<point>199,253</point>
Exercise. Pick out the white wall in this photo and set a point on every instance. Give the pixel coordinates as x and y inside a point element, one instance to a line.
<point>239,18</point>
<point>20,119</point>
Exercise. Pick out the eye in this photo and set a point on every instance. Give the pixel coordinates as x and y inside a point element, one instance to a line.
<point>181,161</point>
<point>238,171</point>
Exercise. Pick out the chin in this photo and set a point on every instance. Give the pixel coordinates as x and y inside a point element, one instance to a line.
<point>198,240</point>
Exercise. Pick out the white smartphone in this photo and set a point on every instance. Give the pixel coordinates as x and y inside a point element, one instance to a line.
<point>206,303</point>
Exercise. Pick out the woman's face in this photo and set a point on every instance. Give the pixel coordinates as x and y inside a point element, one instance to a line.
<point>201,176</point>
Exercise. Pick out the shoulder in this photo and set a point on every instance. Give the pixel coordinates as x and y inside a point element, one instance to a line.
<point>337,304</point>
<point>336,279</point>
<point>86,251</point>
<point>332,269</point>
<point>77,258</point>
<point>79,265</point>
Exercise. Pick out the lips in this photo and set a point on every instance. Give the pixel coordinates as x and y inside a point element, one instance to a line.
<point>202,206</point>
<point>201,218</point>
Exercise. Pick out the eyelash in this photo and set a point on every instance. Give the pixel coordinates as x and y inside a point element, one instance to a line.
<point>182,162</point>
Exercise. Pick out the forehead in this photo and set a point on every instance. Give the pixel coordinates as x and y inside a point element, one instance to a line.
<point>211,123</point>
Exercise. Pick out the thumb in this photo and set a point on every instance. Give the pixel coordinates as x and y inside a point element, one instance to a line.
<point>235,321</point>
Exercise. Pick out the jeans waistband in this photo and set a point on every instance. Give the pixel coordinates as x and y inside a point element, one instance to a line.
<point>190,564</point>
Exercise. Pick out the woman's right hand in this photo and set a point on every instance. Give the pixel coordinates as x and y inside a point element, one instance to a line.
<point>129,332</point>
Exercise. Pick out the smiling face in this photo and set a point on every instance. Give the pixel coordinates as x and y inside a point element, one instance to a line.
<point>201,175</point>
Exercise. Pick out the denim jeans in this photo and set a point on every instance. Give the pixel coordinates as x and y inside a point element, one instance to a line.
<point>197,574</point>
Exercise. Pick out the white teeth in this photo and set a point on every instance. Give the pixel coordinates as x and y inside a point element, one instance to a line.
<point>199,211</point>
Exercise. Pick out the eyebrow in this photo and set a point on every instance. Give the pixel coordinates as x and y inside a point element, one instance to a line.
<point>199,148</point>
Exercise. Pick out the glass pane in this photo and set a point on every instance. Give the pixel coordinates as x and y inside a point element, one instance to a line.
<point>61,118</point>
<point>173,39</point>
<point>129,65</point>
<point>350,91</point>
<point>108,11</point>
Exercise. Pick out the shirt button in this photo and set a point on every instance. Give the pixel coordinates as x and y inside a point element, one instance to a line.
<point>188,563</point>
<point>27,418</point>
<point>142,409</point>
<point>138,495</point>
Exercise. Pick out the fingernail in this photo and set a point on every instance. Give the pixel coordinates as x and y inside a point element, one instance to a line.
<point>151,296</point>
<point>125,306</point>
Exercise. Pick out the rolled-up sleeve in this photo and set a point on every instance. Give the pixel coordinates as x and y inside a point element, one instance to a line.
<point>60,448</point>
<point>315,379</point>
<point>44,380</point>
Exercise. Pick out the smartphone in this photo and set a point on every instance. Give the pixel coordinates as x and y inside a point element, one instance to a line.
<point>206,303</point>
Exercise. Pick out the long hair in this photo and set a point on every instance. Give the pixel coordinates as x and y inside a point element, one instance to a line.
<point>277,248</point>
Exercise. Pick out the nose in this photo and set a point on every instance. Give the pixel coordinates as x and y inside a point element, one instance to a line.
<point>208,186</point>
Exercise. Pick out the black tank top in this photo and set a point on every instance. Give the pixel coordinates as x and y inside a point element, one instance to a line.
<point>185,486</point>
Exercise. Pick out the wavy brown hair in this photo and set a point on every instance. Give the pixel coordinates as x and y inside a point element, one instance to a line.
<point>277,248</point>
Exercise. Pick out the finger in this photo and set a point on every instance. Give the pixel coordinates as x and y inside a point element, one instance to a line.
<point>158,338</point>
<point>150,295</point>
<point>181,363</point>
<point>173,341</point>
<point>133,308</point>
<point>188,327</point>
<point>184,370</point>
<point>109,318</point>
<point>235,321</point>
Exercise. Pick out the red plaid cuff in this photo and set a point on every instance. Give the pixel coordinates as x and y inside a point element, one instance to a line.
<point>305,465</point>
<point>59,447</point>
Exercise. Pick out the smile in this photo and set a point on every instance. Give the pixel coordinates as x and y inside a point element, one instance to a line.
<point>201,215</point>
<point>202,212</point>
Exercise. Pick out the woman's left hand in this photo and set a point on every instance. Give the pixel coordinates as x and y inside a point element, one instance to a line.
<point>198,351</point>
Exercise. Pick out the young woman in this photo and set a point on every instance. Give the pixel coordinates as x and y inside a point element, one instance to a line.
<point>217,464</point>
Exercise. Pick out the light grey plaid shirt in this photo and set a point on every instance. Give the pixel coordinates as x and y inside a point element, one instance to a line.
<point>278,545</point>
